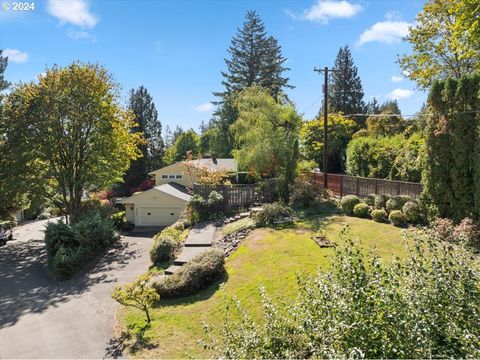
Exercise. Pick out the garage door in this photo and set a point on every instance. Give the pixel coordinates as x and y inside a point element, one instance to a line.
<point>157,216</point>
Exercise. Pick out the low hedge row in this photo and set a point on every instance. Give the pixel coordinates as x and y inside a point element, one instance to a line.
<point>399,210</point>
<point>167,242</point>
<point>196,275</point>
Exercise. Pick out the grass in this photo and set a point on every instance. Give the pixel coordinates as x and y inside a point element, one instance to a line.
<point>268,257</point>
<point>239,225</point>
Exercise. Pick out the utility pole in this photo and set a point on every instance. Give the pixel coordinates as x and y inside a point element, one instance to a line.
<point>325,70</point>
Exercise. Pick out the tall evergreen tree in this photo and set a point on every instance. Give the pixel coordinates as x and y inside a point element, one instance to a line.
<point>4,84</point>
<point>255,59</point>
<point>146,116</point>
<point>373,107</point>
<point>345,92</point>
<point>390,107</point>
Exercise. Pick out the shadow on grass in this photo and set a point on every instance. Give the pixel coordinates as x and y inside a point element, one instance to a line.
<point>201,296</point>
<point>134,339</point>
<point>318,217</point>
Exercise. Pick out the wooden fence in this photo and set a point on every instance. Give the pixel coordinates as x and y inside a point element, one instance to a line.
<point>238,195</point>
<point>342,185</point>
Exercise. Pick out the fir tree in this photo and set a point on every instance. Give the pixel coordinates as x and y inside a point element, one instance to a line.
<point>390,107</point>
<point>3,66</point>
<point>345,92</point>
<point>146,116</point>
<point>373,107</point>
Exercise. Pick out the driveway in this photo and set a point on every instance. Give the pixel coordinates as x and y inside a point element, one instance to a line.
<point>44,318</point>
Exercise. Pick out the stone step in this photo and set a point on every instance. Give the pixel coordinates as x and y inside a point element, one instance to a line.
<point>200,236</point>
<point>189,253</point>
<point>172,269</point>
<point>244,214</point>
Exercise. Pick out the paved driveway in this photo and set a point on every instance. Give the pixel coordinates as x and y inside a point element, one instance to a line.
<point>44,318</point>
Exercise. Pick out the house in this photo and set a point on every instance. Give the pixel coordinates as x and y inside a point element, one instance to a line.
<point>163,204</point>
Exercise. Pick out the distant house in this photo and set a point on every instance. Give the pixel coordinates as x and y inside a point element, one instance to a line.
<point>163,204</point>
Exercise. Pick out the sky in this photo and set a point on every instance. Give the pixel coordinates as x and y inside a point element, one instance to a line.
<point>176,49</point>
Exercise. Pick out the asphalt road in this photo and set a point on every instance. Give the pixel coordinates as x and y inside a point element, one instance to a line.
<point>44,318</point>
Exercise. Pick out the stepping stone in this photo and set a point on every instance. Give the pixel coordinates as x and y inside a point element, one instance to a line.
<point>189,253</point>
<point>200,236</point>
<point>172,269</point>
<point>244,214</point>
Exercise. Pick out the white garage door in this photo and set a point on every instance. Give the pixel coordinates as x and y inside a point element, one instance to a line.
<point>157,216</point>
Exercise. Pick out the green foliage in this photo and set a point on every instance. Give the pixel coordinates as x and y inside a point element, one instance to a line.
<point>138,294</point>
<point>345,92</point>
<point>468,232</point>
<point>272,214</point>
<point>361,210</point>
<point>451,179</point>
<point>348,203</point>
<point>420,307</point>
<point>239,225</point>
<point>340,130</point>
<point>370,200</point>
<point>385,125</point>
<point>304,194</point>
<point>57,158</point>
<point>163,249</point>
<point>397,218</point>
<point>379,215</point>
<point>146,117</point>
<point>70,248</point>
<point>196,275</point>
<point>381,201</point>
<point>206,209</point>
<point>266,134</point>
<point>409,164</point>
<point>444,40</point>
<point>444,229</point>
<point>360,133</point>
<point>186,145</point>
<point>119,219</point>
<point>396,202</point>
<point>413,212</point>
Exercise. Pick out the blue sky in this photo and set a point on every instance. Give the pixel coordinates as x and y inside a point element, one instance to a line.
<point>176,48</point>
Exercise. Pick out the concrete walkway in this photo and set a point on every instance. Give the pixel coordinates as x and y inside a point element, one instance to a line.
<point>44,318</point>
<point>198,241</point>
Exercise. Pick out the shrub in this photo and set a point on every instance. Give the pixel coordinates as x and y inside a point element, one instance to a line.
<point>396,202</point>
<point>443,229</point>
<point>119,219</point>
<point>163,249</point>
<point>468,232</point>
<point>412,212</point>
<point>138,294</point>
<point>240,225</point>
<point>422,307</point>
<point>379,215</point>
<point>272,213</point>
<point>44,216</point>
<point>196,275</point>
<point>370,200</point>
<point>348,203</point>
<point>201,209</point>
<point>70,248</point>
<point>381,201</point>
<point>303,194</point>
<point>361,210</point>
<point>397,218</point>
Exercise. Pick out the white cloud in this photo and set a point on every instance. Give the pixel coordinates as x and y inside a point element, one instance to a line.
<point>399,94</point>
<point>73,34</point>
<point>206,107</point>
<point>325,10</point>
<point>385,31</point>
<point>397,79</point>
<point>75,12</point>
<point>15,56</point>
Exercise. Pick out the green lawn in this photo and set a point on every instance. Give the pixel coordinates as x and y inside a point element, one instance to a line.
<point>271,258</point>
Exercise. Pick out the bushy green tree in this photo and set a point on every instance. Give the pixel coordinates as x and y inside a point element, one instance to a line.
<point>444,40</point>
<point>385,124</point>
<point>340,131</point>
<point>186,145</point>
<point>68,133</point>
<point>266,136</point>
<point>409,162</point>
<point>452,164</point>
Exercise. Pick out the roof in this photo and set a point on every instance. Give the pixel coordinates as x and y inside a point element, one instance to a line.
<point>171,189</point>
<point>227,165</point>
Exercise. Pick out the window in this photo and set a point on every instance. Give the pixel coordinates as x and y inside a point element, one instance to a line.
<point>164,176</point>
<point>178,177</point>
<point>171,176</point>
